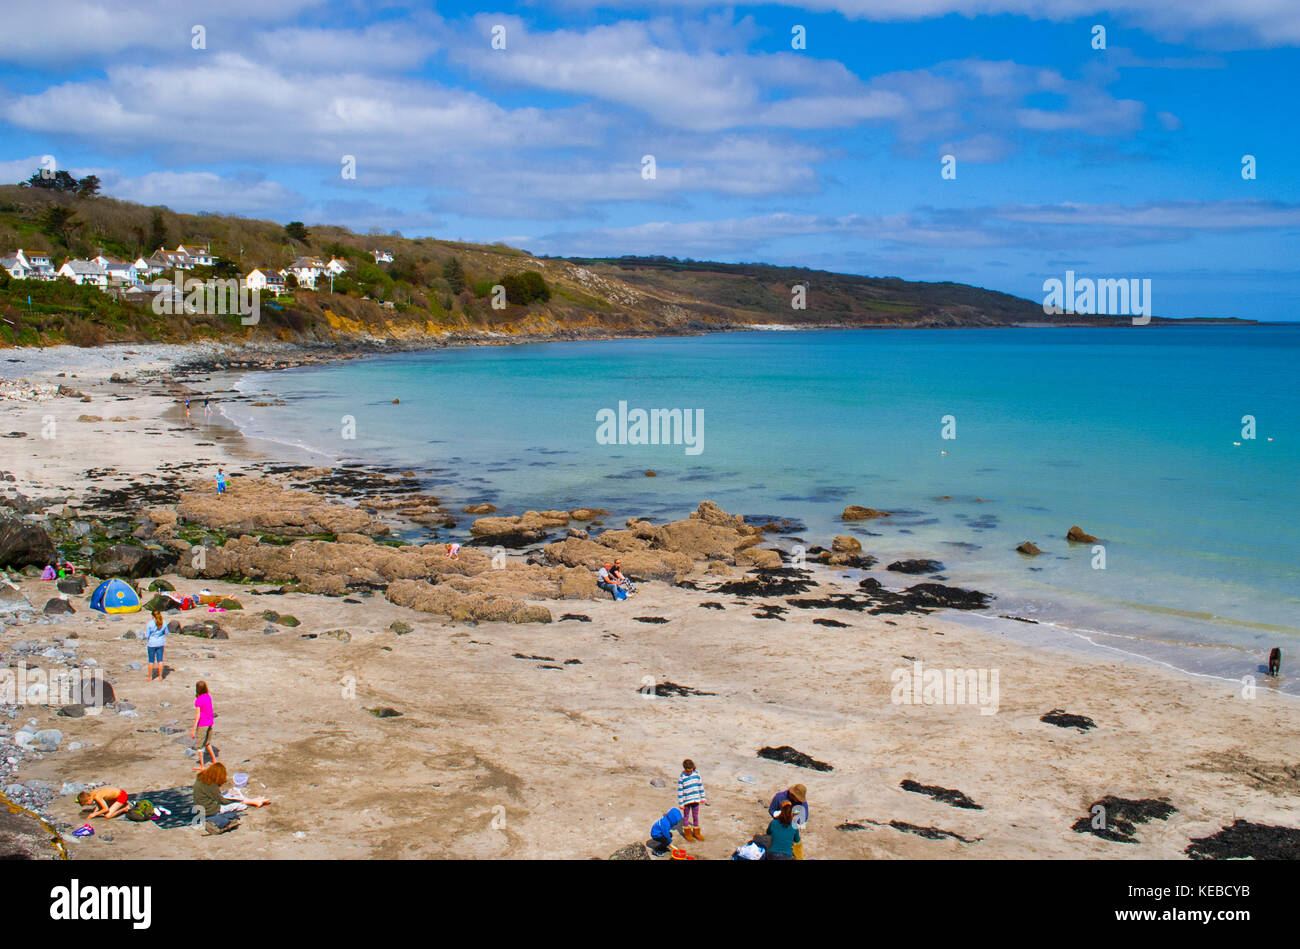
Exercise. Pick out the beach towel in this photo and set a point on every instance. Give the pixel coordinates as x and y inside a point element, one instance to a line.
<point>179,801</point>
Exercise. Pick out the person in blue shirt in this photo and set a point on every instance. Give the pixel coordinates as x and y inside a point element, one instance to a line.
<point>784,833</point>
<point>661,833</point>
<point>155,635</point>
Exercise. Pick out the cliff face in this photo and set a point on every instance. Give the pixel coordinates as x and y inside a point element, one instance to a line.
<point>436,290</point>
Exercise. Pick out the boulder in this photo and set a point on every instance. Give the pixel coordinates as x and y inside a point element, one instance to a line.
<point>636,851</point>
<point>342,635</point>
<point>72,585</point>
<point>97,691</point>
<point>587,513</point>
<point>261,505</point>
<point>479,509</point>
<point>856,512</point>
<point>160,585</point>
<point>130,561</point>
<point>1077,535</point>
<point>846,545</point>
<point>915,566</point>
<point>25,545</point>
<point>12,600</point>
<point>1029,549</point>
<point>761,558</point>
<point>58,607</point>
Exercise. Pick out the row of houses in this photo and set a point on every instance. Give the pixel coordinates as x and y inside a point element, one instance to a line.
<point>108,272</point>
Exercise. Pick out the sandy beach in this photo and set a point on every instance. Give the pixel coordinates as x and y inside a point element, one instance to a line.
<point>530,739</point>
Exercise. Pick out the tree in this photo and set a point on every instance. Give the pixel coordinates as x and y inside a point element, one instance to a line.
<point>296,231</point>
<point>290,281</point>
<point>88,186</point>
<point>454,274</point>
<point>525,288</point>
<point>59,222</point>
<point>157,231</point>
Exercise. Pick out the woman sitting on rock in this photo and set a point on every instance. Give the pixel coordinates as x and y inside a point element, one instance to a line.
<point>220,813</point>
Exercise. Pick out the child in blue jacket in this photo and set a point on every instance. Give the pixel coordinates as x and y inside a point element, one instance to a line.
<point>661,834</point>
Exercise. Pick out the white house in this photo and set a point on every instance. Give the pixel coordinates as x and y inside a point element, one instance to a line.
<point>267,279</point>
<point>307,270</point>
<point>37,266</point>
<point>337,267</point>
<point>15,267</point>
<point>383,256</point>
<point>84,272</point>
<point>147,268</point>
<point>178,259</point>
<point>119,271</point>
<point>201,258</point>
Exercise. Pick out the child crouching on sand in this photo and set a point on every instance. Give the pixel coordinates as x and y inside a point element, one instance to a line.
<point>661,832</point>
<point>690,795</point>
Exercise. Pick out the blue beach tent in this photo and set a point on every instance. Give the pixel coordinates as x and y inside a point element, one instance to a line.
<point>115,596</point>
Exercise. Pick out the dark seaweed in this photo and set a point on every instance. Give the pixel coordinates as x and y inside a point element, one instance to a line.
<point>947,796</point>
<point>1063,719</point>
<point>788,755</point>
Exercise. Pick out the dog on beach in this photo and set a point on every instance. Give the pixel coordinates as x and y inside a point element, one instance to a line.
<point>1275,661</point>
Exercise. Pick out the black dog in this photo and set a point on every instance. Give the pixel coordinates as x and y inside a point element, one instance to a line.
<point>1275,661</point>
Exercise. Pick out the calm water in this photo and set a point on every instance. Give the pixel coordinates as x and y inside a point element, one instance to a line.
<point>1129,433</point>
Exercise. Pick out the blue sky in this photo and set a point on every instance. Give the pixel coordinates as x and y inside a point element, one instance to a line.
<point>1122,162</point>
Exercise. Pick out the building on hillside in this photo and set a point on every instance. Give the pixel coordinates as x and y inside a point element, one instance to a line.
<point>27,265</point>
<point>120,272</point>
<point>383,256</point>
<point>84,272</point>
<point>337,266</point>
<point>265,279</point>
<point>178,259</point>
<point>147,268</point>
<point>307,270</point>
<point>199,257</point>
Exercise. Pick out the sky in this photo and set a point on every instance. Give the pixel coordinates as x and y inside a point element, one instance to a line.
<point>810,136</point>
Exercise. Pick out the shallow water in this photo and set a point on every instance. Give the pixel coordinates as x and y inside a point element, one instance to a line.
<point>1128,432</point>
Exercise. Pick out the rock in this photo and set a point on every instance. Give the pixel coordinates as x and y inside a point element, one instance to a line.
<point>578,533</point>
<point>587,513</point>
<point>48,739</point>
<point>651,474</point>
<point>283,619</point>
<point>636,851</point>
<point>208,629</point>
<point>160,585</point>
<point>856,512</point>
<point>72,585</point>
<point>479,509</point>
<point>97,691</point>
<point>1029,549</point>
<point>73,711</point>
<point>262,506</point>
<point>57,607</point>
<point>656,782</point>
<point>73,787</point>
<point>384,712</point>
<point>23,545</point>
<point>915,566</point>
<point>846,545</point>
<point>342,635</point>
<point>400,628</point>
<point>760,558</point>
<point>1077,535</point>
<point>130,561</point>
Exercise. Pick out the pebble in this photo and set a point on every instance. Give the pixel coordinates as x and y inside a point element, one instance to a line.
<point>746,779</point>
<point>128,713</point>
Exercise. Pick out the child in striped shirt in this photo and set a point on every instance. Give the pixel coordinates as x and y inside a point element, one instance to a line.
<point>690,795</point>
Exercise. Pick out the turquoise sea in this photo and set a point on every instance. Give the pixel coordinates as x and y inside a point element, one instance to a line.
<point>1135,434</point>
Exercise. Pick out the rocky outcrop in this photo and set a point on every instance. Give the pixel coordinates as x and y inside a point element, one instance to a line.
<point>521,530</point>
<point>255,505</point>
<point>915,566</point>
<point>856,512</point>
<point>130,561</point>
<point>1029,549</point>
<point>460,605</point>
<point>1077,535</point>
<point>25,545</point>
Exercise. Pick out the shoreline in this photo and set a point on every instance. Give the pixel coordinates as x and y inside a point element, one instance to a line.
<point>487,726</point>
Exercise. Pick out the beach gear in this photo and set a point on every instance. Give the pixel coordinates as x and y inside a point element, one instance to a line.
<point>141,810</point>
<point>620,593</point>
<point>85,830</point>
<point>115,596</point>
<point>240,779</point>
<point>751,851</point>
<point>48,574</point>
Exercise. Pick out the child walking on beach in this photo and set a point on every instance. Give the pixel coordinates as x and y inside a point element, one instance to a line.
<point>690,795</point>
<point>203,720</point>
<point>221,481</point>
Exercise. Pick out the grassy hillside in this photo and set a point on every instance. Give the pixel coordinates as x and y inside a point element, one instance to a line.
<point>436,288</point>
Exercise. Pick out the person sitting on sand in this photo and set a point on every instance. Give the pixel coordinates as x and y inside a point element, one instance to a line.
<point>606,581</point>
<point>201,731</point>
<point>661,832</point>
<point>155,637</point>
<point>796,795</point>
<point>617,574</point>
<point>104,802</point>
<point>784,833</point>
<point>220,813</point>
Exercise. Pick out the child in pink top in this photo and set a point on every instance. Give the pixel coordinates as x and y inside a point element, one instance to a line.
<point>203,719</point>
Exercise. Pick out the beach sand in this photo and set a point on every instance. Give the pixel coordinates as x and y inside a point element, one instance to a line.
<point>499,756</point>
